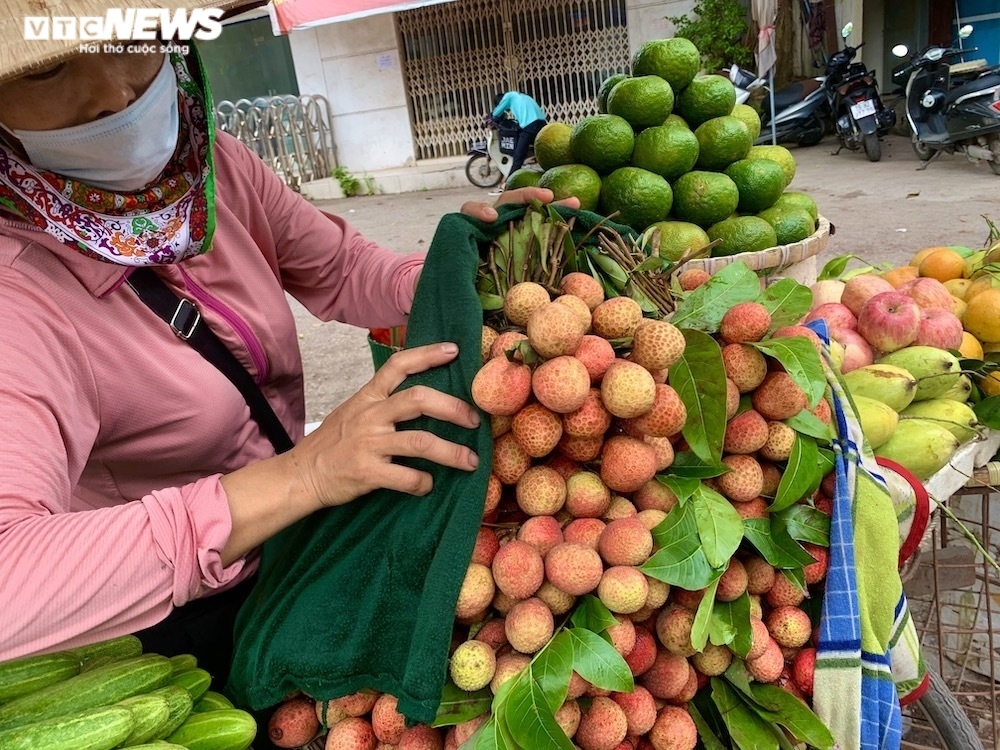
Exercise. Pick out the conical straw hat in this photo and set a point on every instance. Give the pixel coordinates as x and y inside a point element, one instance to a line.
<point>19,54</point>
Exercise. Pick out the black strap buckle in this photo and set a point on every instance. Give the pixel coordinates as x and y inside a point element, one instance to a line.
<point>185,319</point>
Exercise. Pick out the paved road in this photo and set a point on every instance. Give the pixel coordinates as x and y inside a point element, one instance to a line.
<point>883,212</point>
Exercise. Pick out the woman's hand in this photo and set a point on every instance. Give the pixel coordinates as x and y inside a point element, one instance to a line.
<point>352,452</point>
<point>486,212</point>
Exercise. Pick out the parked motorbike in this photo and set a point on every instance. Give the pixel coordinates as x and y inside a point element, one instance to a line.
<point>801,108</point>
<point>490,161</point>
<point>859,117</point>
<point>961,119</point>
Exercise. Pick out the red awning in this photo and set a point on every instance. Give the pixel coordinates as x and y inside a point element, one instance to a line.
<point>290,15</point>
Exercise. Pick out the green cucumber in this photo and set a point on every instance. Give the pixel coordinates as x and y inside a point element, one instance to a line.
<point>30,673</point>
<point>183,662</point>
<point>150,714</point>
<point>122,647</point>
<point>158,745</point>
<point>212,701</point>
<point>97,687</point>
<point>96,729</point>
<point>180,703</point>
<point>195,681</point>
<point>229,729</point>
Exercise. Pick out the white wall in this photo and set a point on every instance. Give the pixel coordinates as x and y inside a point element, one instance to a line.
<point>355,64</point>
<point>647,19</point>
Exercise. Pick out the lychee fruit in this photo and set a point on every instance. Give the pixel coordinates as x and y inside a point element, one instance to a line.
<point>568,717</point>
<point>541,491</point>
<point>745,322</point>
<point>663,449</point>
<point>779,442</point>
<point>822,411</point>
<point>554,330</point>
<point>509,665</point>
<point>510,460</point>
<point>597,354</point>
<point>693,278</point>
<point>293,723</point>
<point>674,729</point>
<point>733,582</point>
<point>387,723</point>
<point>574,568</point>
<point>584,286</point>
<point>767,667</point>
<point>518,569</point>
<point>779,397</point>
<point>522,299</point>
<point>586,495</point>
<point>667,675</point>
<point>789,626</point>
<point>627,389</point>
<point>585,531</point>
<point>803,331</point>
<point>712,660</point>
<point>329,713</point>
<point>643,653</point>
<point>804,670</point>
<point>745,366</point>
<point>579,308</point>
<point>420,737</point>
<point>555,599</point>
<point>477,591</point>
<point>760,636</point>
<point>772,478</point>
<point>358,704</point>
<point>666,417</point>
<point>537,429</point>
<point>492,633</point>
<point>688,599</point>
<point>760,575</point>
<point>486,547</point>
<point>657,344</point>
<point>494,490</point>
<point>732,399</point>
<point>529,625</point>
<point>566,466</point>
<point>561,384</point>
<point>616,318</point>
<point>590,420</point>
<point>816,571</point>
<point>603,725</point>
<point>490,335</point>
<point>501,386</point>
<point>651,518</point>
<point>352,733</point>
<point>784,593</point>
<point>627,463</point>
<point>658,593</point>
<point>472,665</point>
<point>541,532</point>
<point>460,733</point>
<point>639,707</point>
<point>744,480</point>
<point>580,449</point>
<point>500,423</point>
<point>673,628</point>
<point>745,433</point>
<point>625,541</point>
<point>689,690</point>
<point>655,495</point>
<point>505,342</point>
<point>623,590</point>
<point>622,635</point>
<point>756,508</point>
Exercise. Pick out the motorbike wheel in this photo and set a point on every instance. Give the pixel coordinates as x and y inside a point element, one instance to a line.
<point>813,130</point>
<point>482,171</point>
<point>995,147</point>
<point>922,150</point>
<point>873,149</point>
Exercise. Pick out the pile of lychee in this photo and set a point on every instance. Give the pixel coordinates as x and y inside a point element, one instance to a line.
<point>580,435</point>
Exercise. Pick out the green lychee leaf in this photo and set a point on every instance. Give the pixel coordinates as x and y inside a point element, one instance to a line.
<point>802,475</point>
<point>787,300</point>
<point>596,661</point>
<point>835,267</point>
<point>807,524</point>
<point>687,465</point>
<point>530,720</point>
<point>680,561</point>
<point>495,733</point>
<point>739,677</point>
<point>801,361</point>
<point>699,378</point>
<point>709,739</point>
<point>682,487</point>
<point>703,617</point>
<point>746,727</point>
<point>807,423</point>
<point>795,716</point>
<point>730,625</point>
<point>704,307</point>
<point>988,412</point>
<point>771,539</point>
<point>719,526</point>
<point>591,614</point>
<point>552,669</point>
<point>458,706</point>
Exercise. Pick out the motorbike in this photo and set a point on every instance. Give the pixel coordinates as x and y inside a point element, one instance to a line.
<point>961,119</point>
<point>800,108</point>
<point>490,161</point>
<point>859,116</point>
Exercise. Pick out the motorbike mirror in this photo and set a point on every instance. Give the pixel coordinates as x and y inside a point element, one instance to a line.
<point>900,50</point>
<point>965,32</point>
<point>848,28</point>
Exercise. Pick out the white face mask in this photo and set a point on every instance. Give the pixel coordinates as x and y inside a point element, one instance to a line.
<point>122,152</point>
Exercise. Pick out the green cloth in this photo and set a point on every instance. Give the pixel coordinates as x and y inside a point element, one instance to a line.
<point>363,595</point>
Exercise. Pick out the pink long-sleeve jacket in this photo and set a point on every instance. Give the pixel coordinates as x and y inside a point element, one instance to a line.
<point>114,432</point>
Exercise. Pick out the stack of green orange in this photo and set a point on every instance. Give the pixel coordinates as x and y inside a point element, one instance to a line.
<point>672,151</point>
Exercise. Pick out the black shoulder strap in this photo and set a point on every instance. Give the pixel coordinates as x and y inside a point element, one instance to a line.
<point>185,321</point>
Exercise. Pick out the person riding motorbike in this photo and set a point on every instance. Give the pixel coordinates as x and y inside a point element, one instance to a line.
<point>528,115</point>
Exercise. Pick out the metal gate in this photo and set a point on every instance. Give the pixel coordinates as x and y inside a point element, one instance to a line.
<point>458,56</point>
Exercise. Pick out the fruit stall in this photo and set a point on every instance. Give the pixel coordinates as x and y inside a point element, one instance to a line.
<point>708,457</point>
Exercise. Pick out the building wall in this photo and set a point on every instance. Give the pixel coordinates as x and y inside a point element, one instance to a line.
<point>647,19</point>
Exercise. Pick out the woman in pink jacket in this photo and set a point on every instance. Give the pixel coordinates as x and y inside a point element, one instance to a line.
<point>135,485</point>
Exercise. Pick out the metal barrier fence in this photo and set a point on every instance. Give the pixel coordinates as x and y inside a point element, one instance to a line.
<point>292,134</point>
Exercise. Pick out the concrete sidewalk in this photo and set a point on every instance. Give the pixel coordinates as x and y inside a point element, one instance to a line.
<point>431,174</point>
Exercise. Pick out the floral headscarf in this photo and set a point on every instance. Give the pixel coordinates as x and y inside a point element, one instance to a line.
<point>165,223</point>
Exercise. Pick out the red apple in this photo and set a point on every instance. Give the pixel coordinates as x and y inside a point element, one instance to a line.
<point>835,314</point>
<point>857,351</point>
<point>928,293</point>
<point>861,288</point>
<point>939,328</point>
<point>828,290</point>
<point>889,321</point>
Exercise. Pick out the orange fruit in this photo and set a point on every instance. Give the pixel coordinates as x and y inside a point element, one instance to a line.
<point>970,346</point>
<point>988,281</point>
<point>899,276</point>
<point>991,384</point>
<point>982,316</point>
<point>958,306</point>
<point>958,287</point>
<point>918,257</point>
<point>943,265</point>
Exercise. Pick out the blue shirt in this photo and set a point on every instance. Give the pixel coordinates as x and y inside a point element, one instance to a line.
<point>523,107</point>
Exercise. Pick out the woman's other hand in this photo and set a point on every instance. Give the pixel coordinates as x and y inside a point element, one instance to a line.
<point>486,212</point>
